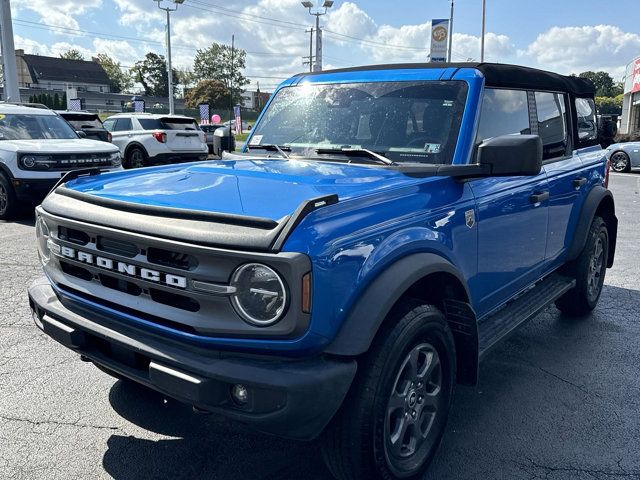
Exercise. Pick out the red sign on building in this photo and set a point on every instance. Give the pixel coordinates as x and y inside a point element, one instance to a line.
<point>635,73</point>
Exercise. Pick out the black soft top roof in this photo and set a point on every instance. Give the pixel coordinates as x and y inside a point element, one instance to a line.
<point>496,75</point>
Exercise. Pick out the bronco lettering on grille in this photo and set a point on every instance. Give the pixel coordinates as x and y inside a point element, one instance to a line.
<point>124,268</point>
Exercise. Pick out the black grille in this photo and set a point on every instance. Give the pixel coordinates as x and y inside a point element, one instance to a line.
<point>72,235</point>
<point>117,247</point>
<point>171,259</point>
<point>120,285</point>
<point>174,300</point>
<point>76,271</point>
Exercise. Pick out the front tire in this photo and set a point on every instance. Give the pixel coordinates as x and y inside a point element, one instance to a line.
<point>589,270</point>
<point>620,162</point>
<point>8,200</point>
<point>392,421</point>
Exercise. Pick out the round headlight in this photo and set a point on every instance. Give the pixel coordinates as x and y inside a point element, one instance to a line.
<point>29,161</point>
<point>260,297</point>
<point>115,159</point>
<point>42,236</point>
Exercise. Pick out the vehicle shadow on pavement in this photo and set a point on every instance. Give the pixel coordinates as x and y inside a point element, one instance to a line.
<point>509,426</point>
<point>204,446</point>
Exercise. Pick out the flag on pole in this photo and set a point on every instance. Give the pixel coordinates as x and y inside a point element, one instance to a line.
<point>204,113</point>
<point>75,104</point>
<point>238,119</point>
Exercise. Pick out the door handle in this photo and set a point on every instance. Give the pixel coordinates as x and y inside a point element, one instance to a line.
<point>578,182</point>
<point>539,197</point>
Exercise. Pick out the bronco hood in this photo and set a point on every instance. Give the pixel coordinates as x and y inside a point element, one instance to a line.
<point>253,198</point>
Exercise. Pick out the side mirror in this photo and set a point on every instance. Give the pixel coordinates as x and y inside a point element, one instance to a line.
<point>511,155</point>
<point>81,134</point>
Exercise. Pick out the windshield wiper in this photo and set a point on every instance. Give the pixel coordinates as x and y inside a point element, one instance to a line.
<point>272,147</point>
<point>358,151</point>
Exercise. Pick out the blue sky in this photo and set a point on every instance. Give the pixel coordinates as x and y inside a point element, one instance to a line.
<point>562,35</point>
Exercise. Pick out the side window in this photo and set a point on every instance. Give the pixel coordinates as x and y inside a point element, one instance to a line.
<point>552,124</point>
<point>108,124</point>
<point>123,124</point>
<point>504,112</point>
<point>587,123</point>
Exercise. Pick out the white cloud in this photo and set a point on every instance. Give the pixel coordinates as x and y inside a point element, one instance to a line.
<point>59,13</point>
<point>576,49</point>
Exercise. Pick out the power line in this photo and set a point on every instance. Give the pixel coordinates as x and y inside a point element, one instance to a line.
<point>232,12</point>
<point>372,42</point>
<point>248,19</point>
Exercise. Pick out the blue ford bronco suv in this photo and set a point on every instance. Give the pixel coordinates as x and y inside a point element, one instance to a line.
<point>381,230</point>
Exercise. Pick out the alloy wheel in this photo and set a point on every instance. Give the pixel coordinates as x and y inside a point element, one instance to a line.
<point>137,159</point>
<point>413,402</point>
<point>4,199</point>
<point>619,161</point>
<point>596,264</point>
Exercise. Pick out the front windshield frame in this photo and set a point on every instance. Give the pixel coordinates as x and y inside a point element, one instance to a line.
<point>23,126</point>
<point>406,99</point>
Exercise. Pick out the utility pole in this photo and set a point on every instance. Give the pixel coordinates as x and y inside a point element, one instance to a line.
<point>233,40</point>
<point>317,67</point>
<point>484,16</point>
<point>310,57</point>
<point>169,69</point>
<point>450,33</point>
<point>10,69</point>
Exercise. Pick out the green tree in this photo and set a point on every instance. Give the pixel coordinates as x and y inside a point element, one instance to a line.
<point>119,80</point>
<point>72,54</point>
<point>56,102</point>
<point>609,105</point>
<point>152,74</point>
<point>605,85</point>
<point>212,92</point>
<point>214,63</point>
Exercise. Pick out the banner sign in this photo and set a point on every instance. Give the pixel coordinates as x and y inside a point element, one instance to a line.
<point>439,39</point>
<point>204,113</point>
<point>238,119</point>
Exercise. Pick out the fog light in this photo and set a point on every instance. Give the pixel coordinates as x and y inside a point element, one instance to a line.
<point>239,394</point>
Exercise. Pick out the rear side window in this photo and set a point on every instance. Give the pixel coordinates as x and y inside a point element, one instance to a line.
<point>504,112</point>
<point>587,122</point>
<point>150,124</point>
<point>123,124</point>
<point>108,124</point>
<point>552,124</point>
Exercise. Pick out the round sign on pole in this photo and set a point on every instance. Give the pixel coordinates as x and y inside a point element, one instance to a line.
<point>215,118</point>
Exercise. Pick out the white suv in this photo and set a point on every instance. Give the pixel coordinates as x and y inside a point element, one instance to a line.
<point>147,139</point>
<point>37,148</point>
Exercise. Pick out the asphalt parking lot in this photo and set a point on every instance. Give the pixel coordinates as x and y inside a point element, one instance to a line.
<point>559,401</point>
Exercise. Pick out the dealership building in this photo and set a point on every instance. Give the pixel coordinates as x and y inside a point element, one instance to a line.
<point>631,104</point>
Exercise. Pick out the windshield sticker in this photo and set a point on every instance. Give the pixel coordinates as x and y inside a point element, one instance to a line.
<point>255,140</point>
<point>2,117</point>
<point>432,147</point>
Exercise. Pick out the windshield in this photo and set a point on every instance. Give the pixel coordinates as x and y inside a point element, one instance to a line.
<point>83,121</point>
<point>404,121</point>
<point>34,127</point>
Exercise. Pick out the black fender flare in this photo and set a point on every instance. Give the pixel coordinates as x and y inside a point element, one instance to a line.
<point>135,144</point>
<point>372,307</point>
<point>4,169</point>
<point>595,198</point>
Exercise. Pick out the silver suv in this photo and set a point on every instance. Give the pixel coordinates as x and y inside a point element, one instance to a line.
<point>149,139</point>
<point>37,148</point>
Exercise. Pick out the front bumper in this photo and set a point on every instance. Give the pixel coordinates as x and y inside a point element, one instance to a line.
<point>33,189</point>
<point>288,398</point>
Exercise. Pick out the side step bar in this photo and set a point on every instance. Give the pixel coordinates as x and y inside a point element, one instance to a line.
<point>524,308</point>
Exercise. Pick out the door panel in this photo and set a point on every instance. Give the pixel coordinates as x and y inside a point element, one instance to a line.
<point>512,231</point>
<point>567,184</point>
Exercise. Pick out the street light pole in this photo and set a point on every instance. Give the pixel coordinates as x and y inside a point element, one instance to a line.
<point>484,16</point>
<point>169,69</point>
<point>10,69</point>
<point>326,5</point>
<point>450,33</point>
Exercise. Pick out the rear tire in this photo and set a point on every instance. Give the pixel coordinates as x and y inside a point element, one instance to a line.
<point>135,158</point>
<point>8,199</point>
<point>589,270</point>
<point>620,162</point>
<point>393,418</point>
